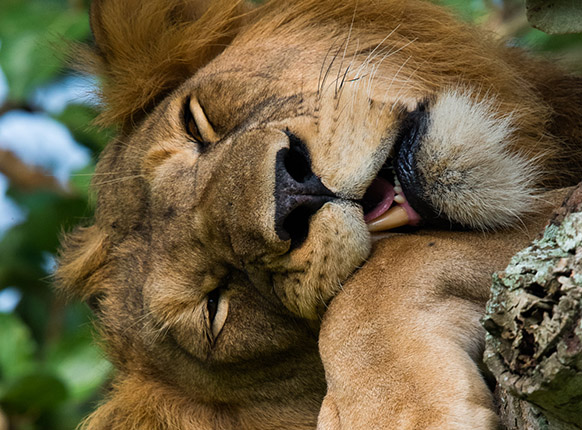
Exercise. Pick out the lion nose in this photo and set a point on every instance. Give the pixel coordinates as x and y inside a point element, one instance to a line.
<point>299,193</point>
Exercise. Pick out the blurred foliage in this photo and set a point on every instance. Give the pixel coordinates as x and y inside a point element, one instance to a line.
<point>29,30</point>
<point>507,18</point>
<point>51,373</point>
<point>555,16</point>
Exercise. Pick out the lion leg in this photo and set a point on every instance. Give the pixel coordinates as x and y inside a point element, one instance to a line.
<point>414,379</point>
<point>401,345</point>
<point>329,416</point>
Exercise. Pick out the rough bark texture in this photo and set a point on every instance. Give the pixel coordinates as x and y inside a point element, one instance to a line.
<point>534,324</point>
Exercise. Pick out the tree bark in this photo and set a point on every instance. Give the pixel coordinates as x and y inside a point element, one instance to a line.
<point>24,176</point>
<point>534,324</point>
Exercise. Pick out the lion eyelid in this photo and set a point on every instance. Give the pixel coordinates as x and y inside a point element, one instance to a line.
<point>189,124</point>
<point>217,317</point>
<point>201,121</point>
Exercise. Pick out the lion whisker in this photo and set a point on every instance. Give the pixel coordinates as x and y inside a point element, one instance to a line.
<point>372,55</point>
<point>348,68</point>
<point>347,42</point>
<point>379,63</point>
<point>123,179</point>
<point>334,82</point>
<point>364,65</point>
<point>406,81</point>
<point>323,79</point>
<point>385,97</point>
<point>319,80</point>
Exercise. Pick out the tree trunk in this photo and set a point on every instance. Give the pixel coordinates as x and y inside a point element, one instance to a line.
<point>534,324</point>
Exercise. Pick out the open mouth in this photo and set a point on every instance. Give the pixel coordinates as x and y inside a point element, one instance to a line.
<point>387,203</point>
<point>384,203</point>
<point>398,187</point>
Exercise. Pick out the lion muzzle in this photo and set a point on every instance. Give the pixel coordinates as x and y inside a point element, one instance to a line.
<point>299,193</point>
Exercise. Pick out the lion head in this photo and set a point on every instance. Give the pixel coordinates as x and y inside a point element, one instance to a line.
<point>257,148</point>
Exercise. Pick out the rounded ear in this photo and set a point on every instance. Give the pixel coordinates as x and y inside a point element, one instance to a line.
<point>145,49</point>
<point>81,265</point>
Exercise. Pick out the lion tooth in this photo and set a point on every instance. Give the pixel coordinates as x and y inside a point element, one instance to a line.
<point>393,218</point>
<point>399,198</point>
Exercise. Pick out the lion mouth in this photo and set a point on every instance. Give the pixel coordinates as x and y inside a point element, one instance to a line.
<point>384,203</point>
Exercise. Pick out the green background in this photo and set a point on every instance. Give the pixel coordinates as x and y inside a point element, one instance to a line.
<point>51,372</point>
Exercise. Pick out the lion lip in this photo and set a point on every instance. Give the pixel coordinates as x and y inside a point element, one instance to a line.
<point>409,142</point>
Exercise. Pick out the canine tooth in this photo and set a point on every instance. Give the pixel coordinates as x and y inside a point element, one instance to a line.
<point>399,198</point>
<point>396,182</point>
<point>398,189</point>
<point>393,218</point>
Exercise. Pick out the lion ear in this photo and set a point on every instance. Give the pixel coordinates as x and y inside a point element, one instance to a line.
<point>145,49</point>
<point>82,263</point>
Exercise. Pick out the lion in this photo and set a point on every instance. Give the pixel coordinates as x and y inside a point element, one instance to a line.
<point>260,152</point>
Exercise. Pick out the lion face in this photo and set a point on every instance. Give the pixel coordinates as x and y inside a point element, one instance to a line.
<point>270,170</point>
<point>230,213</point>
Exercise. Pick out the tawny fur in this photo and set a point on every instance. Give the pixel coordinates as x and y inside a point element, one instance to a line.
<point>182,226</point>
<point>402,342</point>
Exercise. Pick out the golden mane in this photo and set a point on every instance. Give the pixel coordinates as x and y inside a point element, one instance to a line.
<point>137,73</point>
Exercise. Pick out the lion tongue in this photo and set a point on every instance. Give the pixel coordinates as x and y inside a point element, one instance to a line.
<point>384,194</point>
<point>393,211</point>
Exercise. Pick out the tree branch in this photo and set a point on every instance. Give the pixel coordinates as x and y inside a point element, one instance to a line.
<point>534,341</point>
<point>26,177</point>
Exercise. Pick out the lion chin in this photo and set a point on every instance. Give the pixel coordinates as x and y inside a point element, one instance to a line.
<point>261,150</point>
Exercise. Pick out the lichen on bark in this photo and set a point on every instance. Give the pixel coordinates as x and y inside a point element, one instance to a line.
<point>534,325</point>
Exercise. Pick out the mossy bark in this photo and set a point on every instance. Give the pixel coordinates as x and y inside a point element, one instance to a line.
<point>534,324</point>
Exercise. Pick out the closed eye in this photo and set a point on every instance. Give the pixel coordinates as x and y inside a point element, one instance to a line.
<point>196,123</point>
<point>217,310</point>
<point>212,304</point>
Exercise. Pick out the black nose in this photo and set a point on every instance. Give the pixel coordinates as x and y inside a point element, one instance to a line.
<point>299,193</point>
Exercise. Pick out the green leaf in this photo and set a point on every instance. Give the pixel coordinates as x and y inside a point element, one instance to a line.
<point>17,348</point>
<point>555,16</point>
<point>34,35</point>
<point>25,247</point>
<point>80,364</point>
<point>33,393</point>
